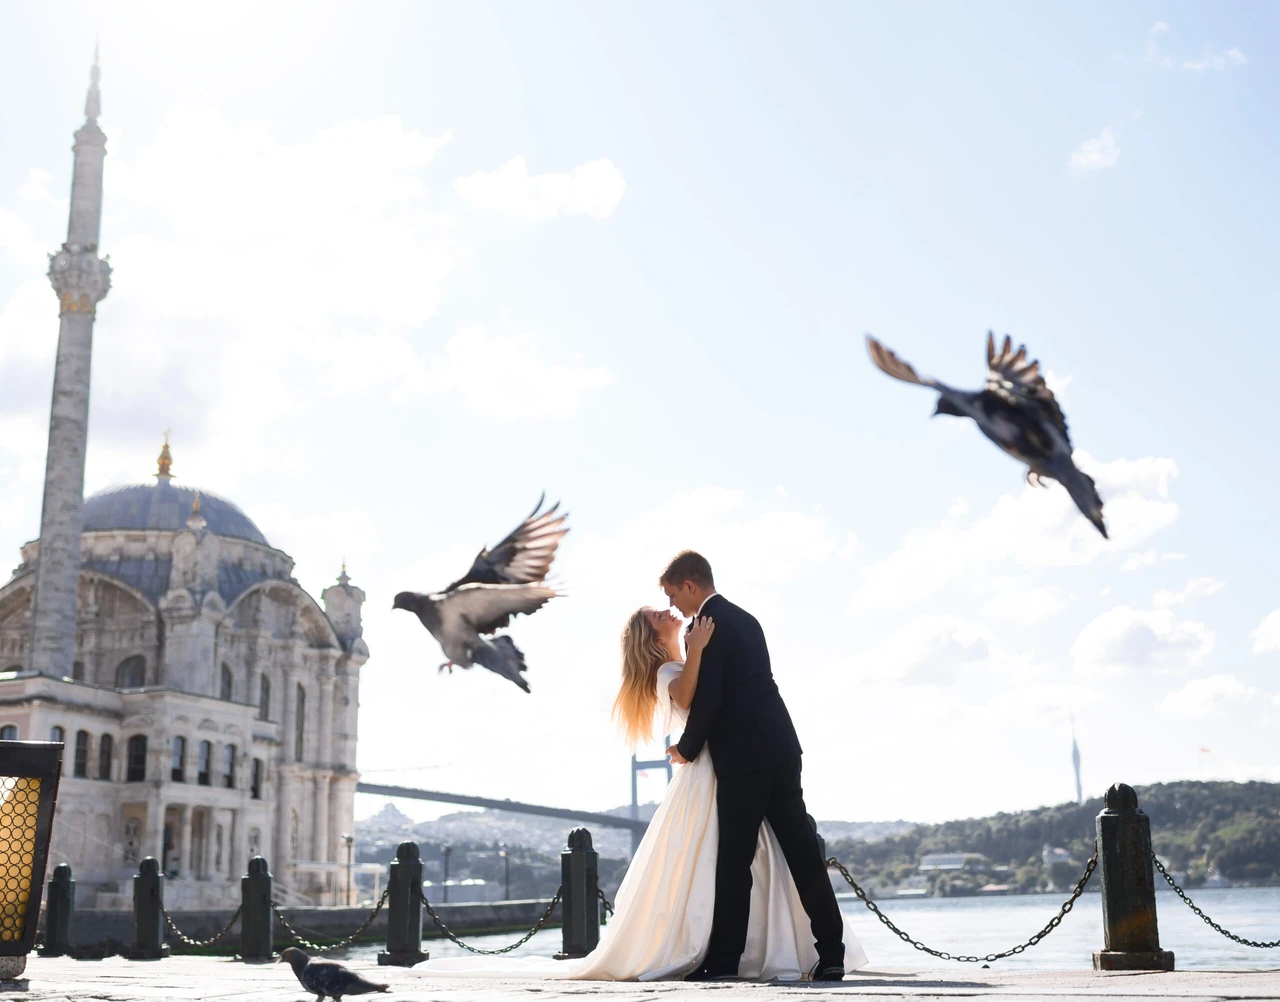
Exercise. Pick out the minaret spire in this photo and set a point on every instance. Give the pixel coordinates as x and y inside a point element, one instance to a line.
<point>81,280</point>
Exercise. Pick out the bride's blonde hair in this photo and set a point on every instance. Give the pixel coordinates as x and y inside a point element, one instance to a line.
<point>643,653</point>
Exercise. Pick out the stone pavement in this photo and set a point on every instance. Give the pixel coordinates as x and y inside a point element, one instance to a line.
<point>204,978</point>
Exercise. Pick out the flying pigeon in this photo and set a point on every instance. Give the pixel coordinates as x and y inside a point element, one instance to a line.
<point>502,582</point>
<point>327,978</point>
<point>1017,411</point>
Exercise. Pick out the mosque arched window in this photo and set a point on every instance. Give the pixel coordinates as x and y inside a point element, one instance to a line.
<point>136,771</point>
<point>299,724</point>
<point>264,697</point>
<point>229,766</point>
<point>9,732</point>
<point>130,673</point>
<point>77,671</point>
<point>106,746</point>
<point>81,766</point>
<point>203,763</point>
<point>178,759</point>
<point>227,685</point>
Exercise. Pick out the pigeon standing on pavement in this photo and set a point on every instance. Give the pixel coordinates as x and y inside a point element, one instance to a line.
<point>327,978</point>
<point>1017,411</point>
<point>502,582</point>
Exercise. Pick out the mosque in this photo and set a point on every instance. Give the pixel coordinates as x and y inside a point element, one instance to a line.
<point>206,701</point>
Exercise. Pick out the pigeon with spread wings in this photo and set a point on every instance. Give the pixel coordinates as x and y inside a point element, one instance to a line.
<point>503,582</point>
<point>1017,411</point>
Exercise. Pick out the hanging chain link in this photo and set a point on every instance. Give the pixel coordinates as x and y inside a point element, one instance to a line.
<point>942,954</point>
<point>1208,921</point>
<point>318,948</point>
<point>546,917</point>
<point>199,942</point>
<point>608,905</point>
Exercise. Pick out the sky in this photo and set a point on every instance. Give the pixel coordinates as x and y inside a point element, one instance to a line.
<point>388,272</point>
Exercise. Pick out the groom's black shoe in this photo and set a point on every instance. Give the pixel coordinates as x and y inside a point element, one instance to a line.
<point>827,972</point>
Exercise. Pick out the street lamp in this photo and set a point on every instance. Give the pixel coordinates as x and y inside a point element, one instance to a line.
<point>506,859</point>
<point>447,850</point>
<point>350,841</point>
<point>29,773</point>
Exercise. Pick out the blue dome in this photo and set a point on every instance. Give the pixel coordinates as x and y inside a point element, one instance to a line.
<point>165,505</point>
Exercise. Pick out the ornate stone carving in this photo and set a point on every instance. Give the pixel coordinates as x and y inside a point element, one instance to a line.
<point>79,277</point>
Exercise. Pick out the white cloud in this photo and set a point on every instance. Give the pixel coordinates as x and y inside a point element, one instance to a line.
<point>1025,605</point>
<point>931,650</point>
<point>1148,558</point>
<point>1201,696</point>
<point>1097,153</point>
<point>1159,28</point>
<point>1125,639</point>
<point>507,378</point>
<point>594,189</point>
<point>1195,588</point>
<point>1266,638</point>
<point>1213,59</point>
<point>1033,530</point>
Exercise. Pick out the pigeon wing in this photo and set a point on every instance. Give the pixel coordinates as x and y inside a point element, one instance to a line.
<point>486,608</point>
<point>524,556</point>
<point>1018,382</point>
<point>891,365</point>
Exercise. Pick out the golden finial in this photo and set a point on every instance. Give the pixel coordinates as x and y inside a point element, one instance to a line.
<point>342,578</point>
<point>195,505</point>
<point>166,460</point>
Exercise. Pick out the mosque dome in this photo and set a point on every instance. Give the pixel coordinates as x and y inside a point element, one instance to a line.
<point>166,505</point>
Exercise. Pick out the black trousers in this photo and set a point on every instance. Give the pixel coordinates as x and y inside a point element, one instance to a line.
<point>743,801</point>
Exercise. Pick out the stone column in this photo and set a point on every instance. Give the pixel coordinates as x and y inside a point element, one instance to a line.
<point>320,820</point>
<point>186,861</point>
<point>153,837</point>
<point>81,279</point>
<point>324,736</point>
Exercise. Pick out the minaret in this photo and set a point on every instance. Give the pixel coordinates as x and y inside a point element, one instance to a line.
<point>1075,762</point>
<point>81,279</point>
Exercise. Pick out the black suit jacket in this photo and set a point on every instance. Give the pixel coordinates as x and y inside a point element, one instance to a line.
<point>737,710</point>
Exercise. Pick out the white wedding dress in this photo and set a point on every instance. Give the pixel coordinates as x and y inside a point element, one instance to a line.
<point>662,921</point>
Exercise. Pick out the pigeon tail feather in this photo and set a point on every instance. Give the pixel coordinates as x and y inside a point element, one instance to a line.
<point>1084,492</point>
<point>502,656</point>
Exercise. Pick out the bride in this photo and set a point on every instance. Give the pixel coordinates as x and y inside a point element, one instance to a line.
<point>662,921</point>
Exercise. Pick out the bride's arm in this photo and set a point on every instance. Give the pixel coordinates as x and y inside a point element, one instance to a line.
<point>683,688</point>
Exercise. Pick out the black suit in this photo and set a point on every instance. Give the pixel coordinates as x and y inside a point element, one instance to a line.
<point>738,713</point>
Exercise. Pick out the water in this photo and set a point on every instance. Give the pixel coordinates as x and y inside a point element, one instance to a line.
<point>990,925</point>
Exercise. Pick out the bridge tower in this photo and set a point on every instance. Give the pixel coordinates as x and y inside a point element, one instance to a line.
<point>638,767</point>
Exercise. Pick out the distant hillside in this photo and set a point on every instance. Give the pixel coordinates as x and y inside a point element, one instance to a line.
<point>1233,828</point>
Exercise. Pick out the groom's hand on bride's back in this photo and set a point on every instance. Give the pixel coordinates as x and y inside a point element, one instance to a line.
<point>673,753</point>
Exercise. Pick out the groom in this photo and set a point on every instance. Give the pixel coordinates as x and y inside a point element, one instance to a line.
<point>739,713</point>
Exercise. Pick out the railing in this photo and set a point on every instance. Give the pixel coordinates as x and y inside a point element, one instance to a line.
<point>1123,858</point>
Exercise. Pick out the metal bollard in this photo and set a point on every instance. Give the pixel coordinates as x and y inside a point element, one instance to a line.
<point>404,909</point>
<point>57,912</point>
<point>580,900</point>
<point>148,919</point>
<point>257,919</point>
<point>1128,887</point>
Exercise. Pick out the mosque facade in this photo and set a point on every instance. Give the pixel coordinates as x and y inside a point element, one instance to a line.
<point>207,703</point>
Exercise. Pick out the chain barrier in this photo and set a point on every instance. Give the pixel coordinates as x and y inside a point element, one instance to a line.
<point>537,926</point>
<point>942,954</point>
<point>199,942</point>
<point>318,948</point>
<point>1208,921</point>
<point>608,905</point>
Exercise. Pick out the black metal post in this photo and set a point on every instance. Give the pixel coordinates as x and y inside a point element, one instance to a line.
<point>506,860</point>
<point>257,919</point>
<point>1128,887</point>
<point>57,913</point>
<point>350,841</point>
<point>448,850</point>
<point>580,896</point>
<point>404,909</point>
<point>148,917</point>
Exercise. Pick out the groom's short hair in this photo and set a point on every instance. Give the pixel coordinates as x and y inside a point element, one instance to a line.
<point>688,565</point>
